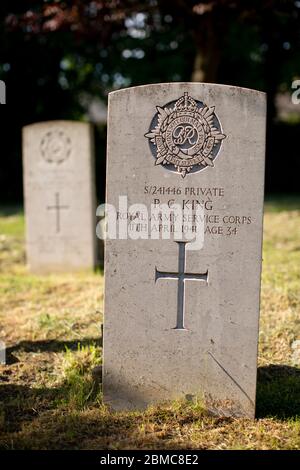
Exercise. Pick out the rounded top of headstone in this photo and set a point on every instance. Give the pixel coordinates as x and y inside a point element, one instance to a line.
<point>215,86</point>
<point>59,122</point>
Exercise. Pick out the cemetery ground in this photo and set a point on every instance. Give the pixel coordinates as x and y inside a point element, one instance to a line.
<point>50,399</point>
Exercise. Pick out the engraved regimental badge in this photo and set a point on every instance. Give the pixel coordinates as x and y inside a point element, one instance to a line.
<point>185,135</point>
<point>55,146</point>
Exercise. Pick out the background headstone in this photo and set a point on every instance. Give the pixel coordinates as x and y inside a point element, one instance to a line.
<point>59,189</point>
<point>179,322</point>
<point>2,92</point>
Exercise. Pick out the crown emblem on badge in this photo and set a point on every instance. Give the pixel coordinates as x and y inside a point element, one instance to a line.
<point>185,135</point>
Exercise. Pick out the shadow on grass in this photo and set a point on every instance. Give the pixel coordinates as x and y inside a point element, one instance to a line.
<point>278,392</point>
<point>42,418</point>
<point>34,420</point>
<point>53,345</point>
<point>20,403</point>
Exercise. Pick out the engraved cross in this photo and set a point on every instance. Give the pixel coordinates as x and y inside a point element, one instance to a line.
<point>181,277</point>
<point>57,207</point>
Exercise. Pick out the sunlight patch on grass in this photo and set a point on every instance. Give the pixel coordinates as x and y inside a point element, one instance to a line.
<point>79,386</point>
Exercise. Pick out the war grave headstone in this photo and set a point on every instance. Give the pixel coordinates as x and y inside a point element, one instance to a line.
<point>181,319</point>
<point>59,190</point>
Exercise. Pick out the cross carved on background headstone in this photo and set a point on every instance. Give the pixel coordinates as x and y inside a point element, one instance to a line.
<point>57,207</point>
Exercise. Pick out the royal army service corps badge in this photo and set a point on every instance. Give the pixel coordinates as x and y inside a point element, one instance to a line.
<point>55,146</point>
<point>185,135</point>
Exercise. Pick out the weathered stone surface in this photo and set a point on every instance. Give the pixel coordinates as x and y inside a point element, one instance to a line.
<point>165,337</point>
<point>58,159</point>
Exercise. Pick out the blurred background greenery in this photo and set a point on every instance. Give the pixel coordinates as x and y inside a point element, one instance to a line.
<point>60,59</point>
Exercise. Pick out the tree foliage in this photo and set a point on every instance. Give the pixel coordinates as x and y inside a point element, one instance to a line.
<point>98,45</point>
<point>56,56</point>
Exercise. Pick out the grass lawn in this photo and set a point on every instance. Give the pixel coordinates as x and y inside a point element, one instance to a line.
<point>52,328</point>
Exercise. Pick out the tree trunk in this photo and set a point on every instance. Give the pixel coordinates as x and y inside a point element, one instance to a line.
<point>207,58</point>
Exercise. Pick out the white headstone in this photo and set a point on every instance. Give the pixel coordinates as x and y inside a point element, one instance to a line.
<point>181,319</point>
<point>58,160</point>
